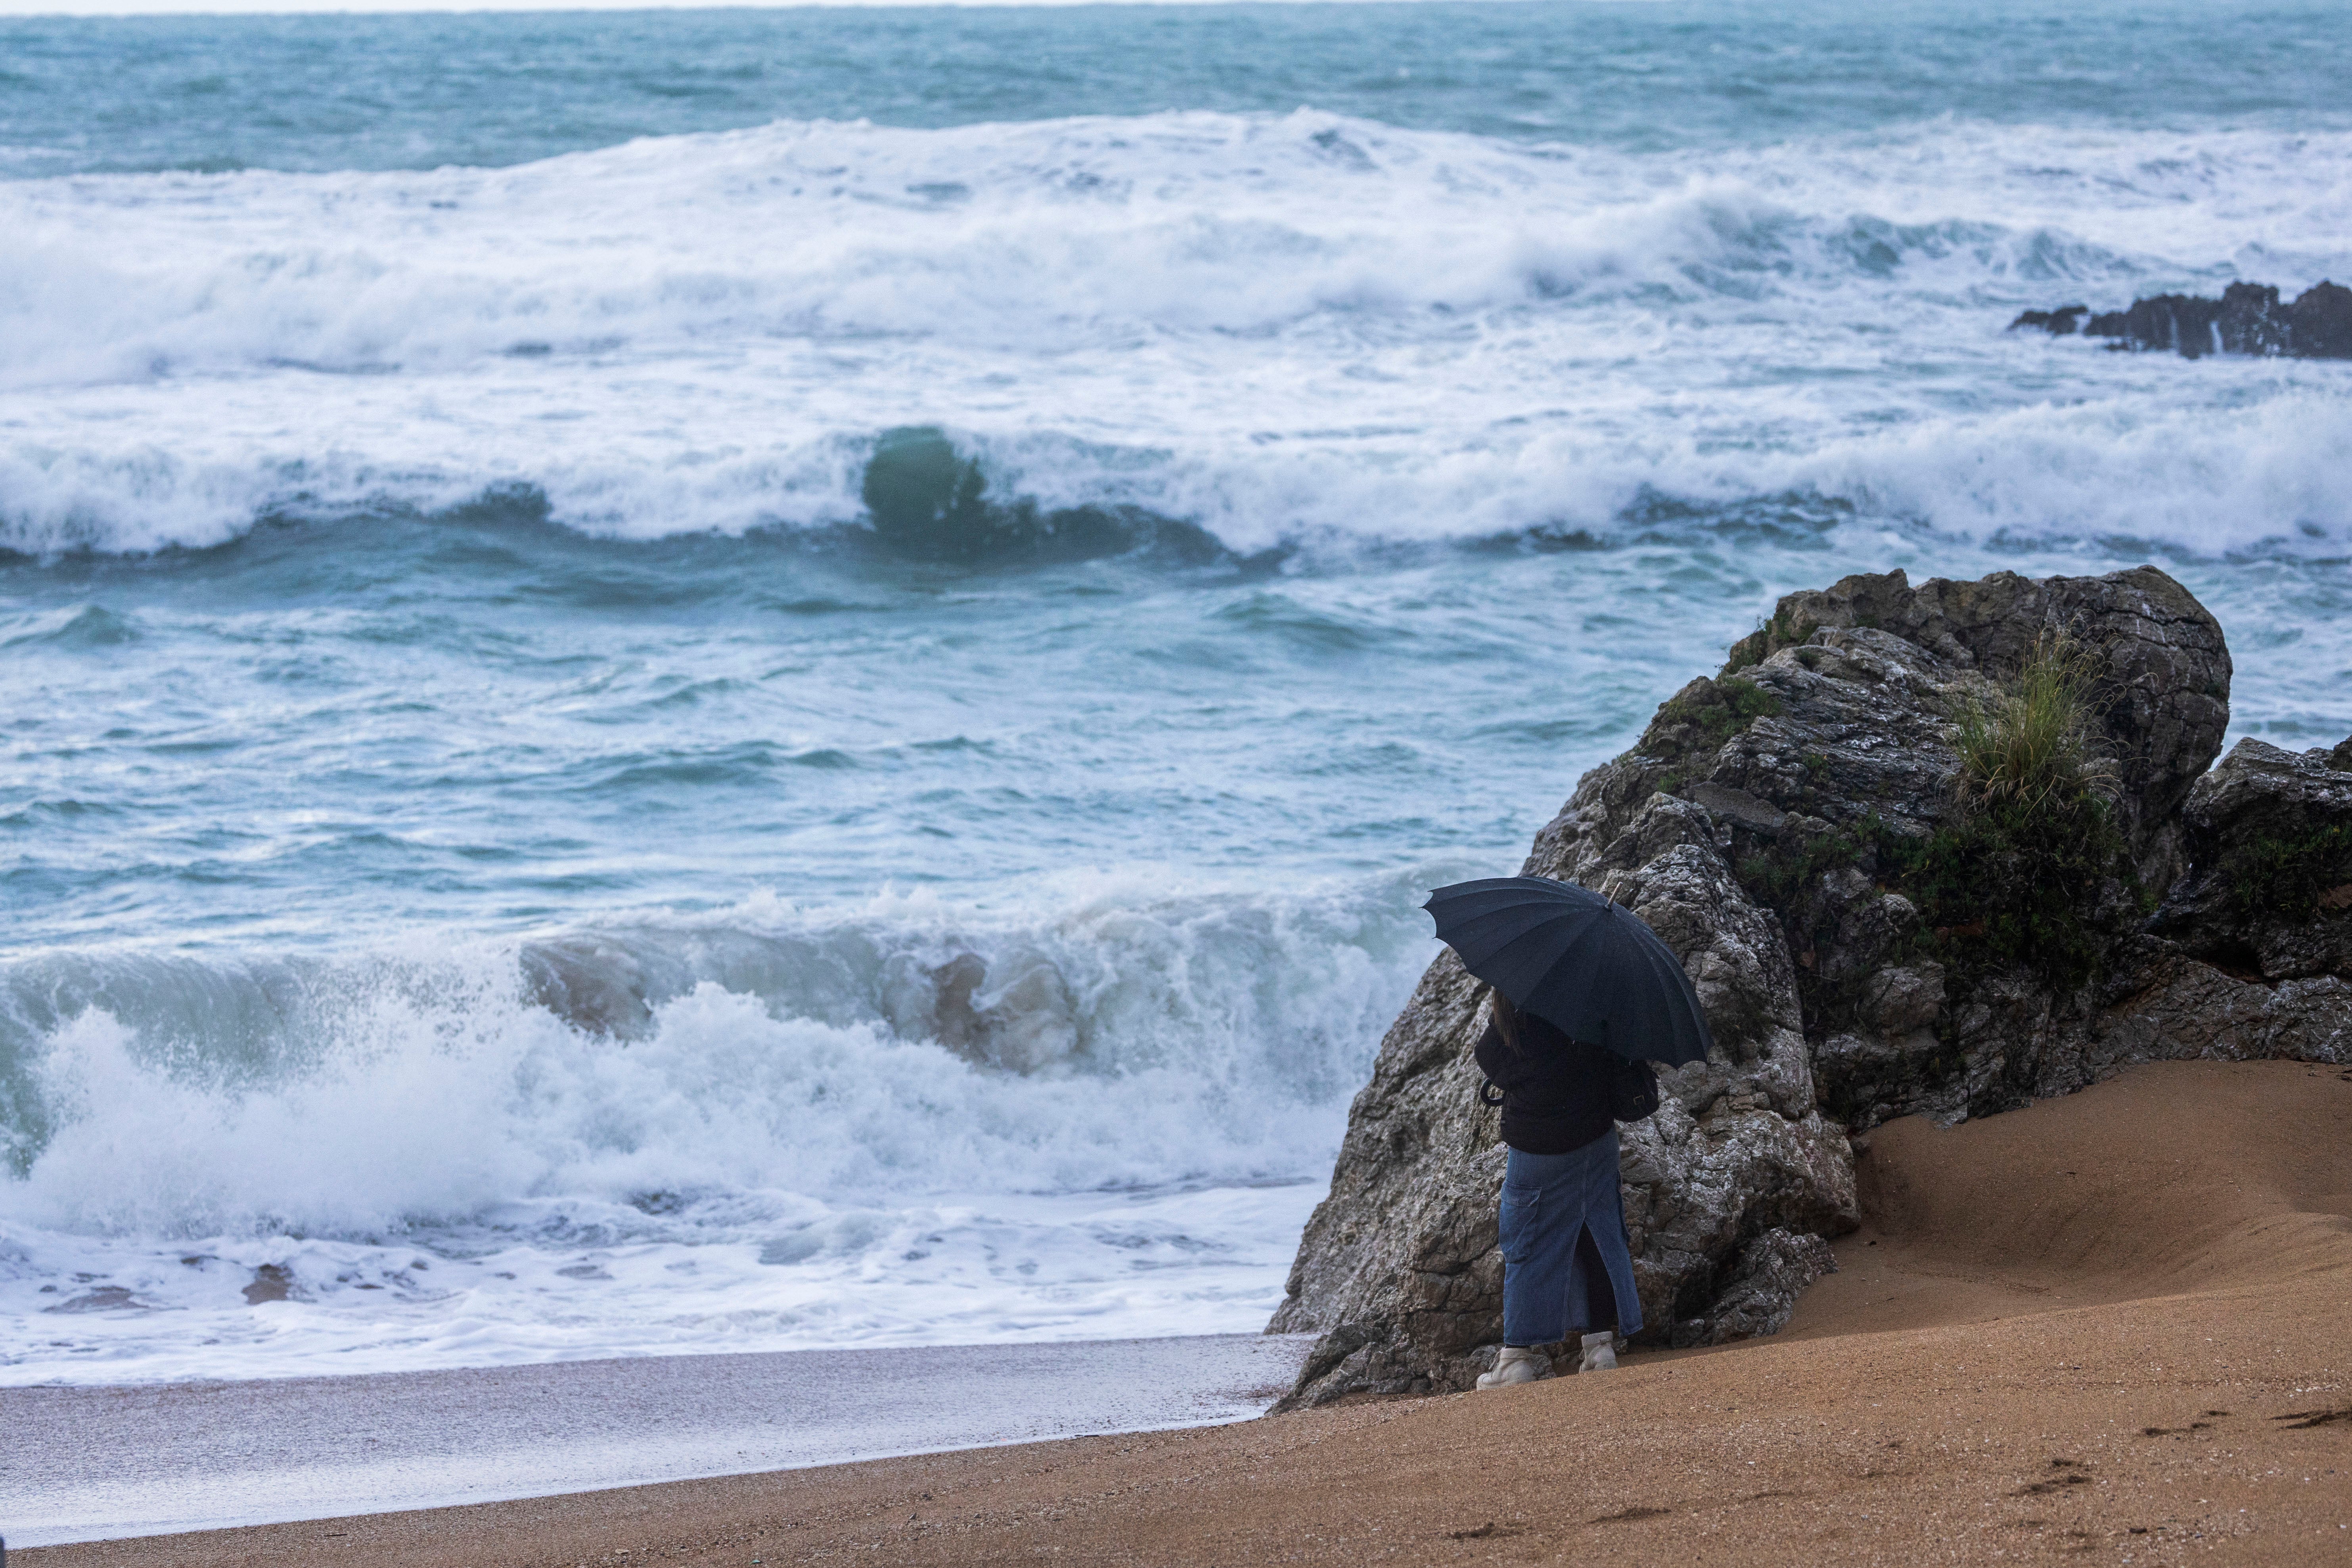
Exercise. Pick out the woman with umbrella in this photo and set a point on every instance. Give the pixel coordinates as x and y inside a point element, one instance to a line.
<point>1584,998</point>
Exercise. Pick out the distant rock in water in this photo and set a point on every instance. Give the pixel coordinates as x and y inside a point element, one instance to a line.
<point>2058,323</point>
<point>2248,319</point>
<point>1809,830</point>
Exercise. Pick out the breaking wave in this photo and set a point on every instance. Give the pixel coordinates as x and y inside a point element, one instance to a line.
<point>775,1091</point>
<point>1266,327</point>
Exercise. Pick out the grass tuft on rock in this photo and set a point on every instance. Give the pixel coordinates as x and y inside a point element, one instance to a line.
<point>2016,875</point>
<point>2028,750</point>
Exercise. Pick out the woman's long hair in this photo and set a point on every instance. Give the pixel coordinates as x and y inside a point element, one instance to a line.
<point>1506,1020</point>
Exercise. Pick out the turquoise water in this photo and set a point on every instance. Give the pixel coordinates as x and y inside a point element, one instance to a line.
<point>699,680</point>
<point>324,93</point>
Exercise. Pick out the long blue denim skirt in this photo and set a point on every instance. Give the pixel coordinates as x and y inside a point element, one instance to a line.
<point>1565,1258</point>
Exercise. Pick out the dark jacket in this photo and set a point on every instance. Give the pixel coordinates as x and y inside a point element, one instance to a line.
<point>1555,1089</point>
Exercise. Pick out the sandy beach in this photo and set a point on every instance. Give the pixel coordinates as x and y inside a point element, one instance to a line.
<point>2105,1327</point>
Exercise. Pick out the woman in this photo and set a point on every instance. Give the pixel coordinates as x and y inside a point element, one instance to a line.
<point>1566,1265</point>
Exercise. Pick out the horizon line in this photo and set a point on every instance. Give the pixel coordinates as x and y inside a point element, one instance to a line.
<point>115,9</point>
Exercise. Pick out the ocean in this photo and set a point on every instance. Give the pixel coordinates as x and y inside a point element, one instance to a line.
<point>759,679</point>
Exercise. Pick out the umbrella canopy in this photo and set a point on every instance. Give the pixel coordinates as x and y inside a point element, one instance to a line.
<point>1568,955</point>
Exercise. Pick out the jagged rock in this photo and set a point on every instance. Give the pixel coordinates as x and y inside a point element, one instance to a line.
<point>2172,1008</point>
<point>1762,825</point>
<point>2251,956</point>
<point>2269,836</point>
<point>1792,828</point>
<point>2248,319</point>
<point>1823,752</point>
<point>1761,1294</point>
<point>2162,690</point>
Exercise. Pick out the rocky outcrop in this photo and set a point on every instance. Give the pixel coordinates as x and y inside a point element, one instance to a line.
<point>1761,1294</point>
<point>1823,753</point>
<point>2248,319</point>
<point>1864,949</point>
<point>2061,323</point>
<point>2251,955</point>
<point>2160,686</point>
<point>2270,838</point>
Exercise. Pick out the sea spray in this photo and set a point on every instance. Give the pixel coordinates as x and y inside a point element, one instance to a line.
<point>800,1105</point>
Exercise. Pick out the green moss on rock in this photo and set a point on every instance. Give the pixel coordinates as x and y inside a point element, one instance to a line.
<point>1786,628</point>
<point>2016,886</point>
<point>1717,708</point>
<point>1779,880</point>
<point>2287,878</point>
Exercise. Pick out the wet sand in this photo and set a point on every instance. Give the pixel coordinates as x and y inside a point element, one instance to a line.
<point>88,1464</point>
<point>2111,1328</point>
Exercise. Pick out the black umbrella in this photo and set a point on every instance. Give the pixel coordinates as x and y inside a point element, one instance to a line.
<point>1567,954</point>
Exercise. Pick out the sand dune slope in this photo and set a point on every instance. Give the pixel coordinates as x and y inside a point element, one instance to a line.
<point>2115,1328</point>
<point>2177,1176</point>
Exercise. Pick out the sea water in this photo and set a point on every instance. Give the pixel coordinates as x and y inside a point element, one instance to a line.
<point>778,679</point>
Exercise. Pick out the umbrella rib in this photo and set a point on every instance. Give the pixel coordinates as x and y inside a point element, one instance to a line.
<point>1547,927</point>
<point>1567,945</point>
<point>1567,934</point>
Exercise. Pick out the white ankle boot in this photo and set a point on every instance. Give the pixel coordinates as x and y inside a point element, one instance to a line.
<point>1600,1351</point>
<point>1516,1364</point>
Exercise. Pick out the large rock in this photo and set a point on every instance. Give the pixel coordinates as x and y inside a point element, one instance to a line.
<point>1769,825</point>
<point>1823,753</point>
<point>2161,689</point>
<point>1400,1267</point>
<point>2172,1008</point>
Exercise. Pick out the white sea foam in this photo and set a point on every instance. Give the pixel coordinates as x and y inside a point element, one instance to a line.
<point>1275,326</point>
<point>797,1132</point>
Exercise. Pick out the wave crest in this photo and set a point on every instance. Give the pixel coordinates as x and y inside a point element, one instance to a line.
<point>1266,329</point>
<point>1127,1039</point>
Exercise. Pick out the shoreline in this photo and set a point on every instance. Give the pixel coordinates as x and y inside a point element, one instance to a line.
<point>2065,1332</point>
<point>186,1458</point>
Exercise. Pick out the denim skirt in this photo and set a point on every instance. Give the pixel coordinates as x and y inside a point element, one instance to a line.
<point>1566,1265</point>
